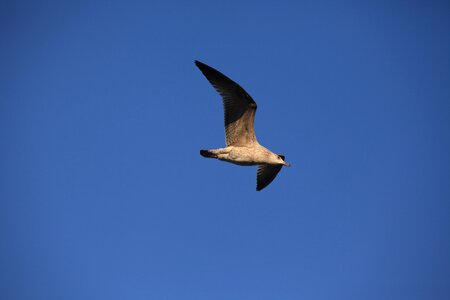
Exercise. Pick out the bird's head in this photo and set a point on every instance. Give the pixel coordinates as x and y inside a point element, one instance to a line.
<point>280,160</point>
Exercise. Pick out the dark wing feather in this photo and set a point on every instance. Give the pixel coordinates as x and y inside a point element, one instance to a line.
<point>266,174</point>
<point>238,105</point>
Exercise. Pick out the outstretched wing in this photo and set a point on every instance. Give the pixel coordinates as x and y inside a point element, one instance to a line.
<point>239,107</point>
<point>266,174</point>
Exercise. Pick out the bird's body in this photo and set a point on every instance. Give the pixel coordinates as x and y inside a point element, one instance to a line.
<point>244,155</point>
<point>242,146</point>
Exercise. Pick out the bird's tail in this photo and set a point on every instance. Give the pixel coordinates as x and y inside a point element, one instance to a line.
<point>207,153</point>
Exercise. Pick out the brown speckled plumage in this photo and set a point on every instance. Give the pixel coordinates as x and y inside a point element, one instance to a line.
<point>242,146</point>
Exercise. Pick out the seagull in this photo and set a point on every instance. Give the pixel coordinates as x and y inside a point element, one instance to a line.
<point>242,146</point>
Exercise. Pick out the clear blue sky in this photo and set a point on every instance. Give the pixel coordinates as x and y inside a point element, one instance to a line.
<point>102,115</point>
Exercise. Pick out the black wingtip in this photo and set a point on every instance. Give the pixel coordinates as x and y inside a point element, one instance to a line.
<point>204,67</point>
<point>259,187</point>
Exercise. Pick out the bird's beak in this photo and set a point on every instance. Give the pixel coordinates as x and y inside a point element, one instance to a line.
<point>286,164</point>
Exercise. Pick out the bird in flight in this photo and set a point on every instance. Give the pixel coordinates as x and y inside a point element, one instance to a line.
<point>242,146</point>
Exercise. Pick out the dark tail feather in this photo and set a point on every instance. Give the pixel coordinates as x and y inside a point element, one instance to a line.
<point>206,153</point>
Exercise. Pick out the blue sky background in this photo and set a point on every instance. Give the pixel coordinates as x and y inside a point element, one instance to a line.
<point>102,114</point>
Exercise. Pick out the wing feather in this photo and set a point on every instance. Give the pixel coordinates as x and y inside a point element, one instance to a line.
<point>266,174</point>
<point>239,107</point>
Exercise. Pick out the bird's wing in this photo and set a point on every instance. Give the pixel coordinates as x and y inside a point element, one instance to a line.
<point>266,174</point>
<point>239,107</point>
